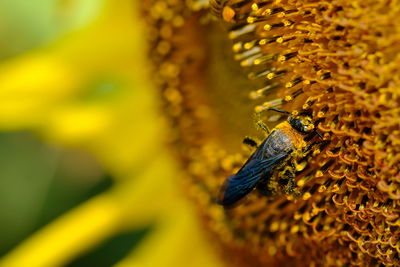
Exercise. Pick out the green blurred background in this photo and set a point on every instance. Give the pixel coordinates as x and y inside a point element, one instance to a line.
<point>40,181</point>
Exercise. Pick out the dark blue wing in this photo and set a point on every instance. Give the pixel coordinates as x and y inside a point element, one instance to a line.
<point>239,185</point>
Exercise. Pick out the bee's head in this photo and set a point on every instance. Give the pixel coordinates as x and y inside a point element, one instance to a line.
<point>302,124</point>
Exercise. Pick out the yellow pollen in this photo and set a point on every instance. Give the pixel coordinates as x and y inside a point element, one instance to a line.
<point>236,47</point>
<point>251,20</point>
<point>301,166</point>
<point>287,23</point>
<point>228,13</point>
<point>322,188</point>
<point>281,58</point>
<point>254,95</point>
<point>267,27</point>
<point>248,45</point>
<point>288,98</point>
<point>274,227</point>
<point>258,109</point>
<point>306,196</point>
<point>294,229</point>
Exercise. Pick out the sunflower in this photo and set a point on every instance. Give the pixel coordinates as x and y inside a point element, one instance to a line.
<point>220,66</point>
<point>334,60</point>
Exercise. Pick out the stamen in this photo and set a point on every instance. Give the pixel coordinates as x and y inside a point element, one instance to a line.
<point>245,54</point>
<point>325,76</point>
<point>293,83</point>
<point>287,56</point>
<point>251,60</point>
<point>241,31</point>
<point>261,74</point>
<point>275,74</point>
<point>269,40</point>
<point>272,11</point>
<point>269,104</point>
<point>263,91</point>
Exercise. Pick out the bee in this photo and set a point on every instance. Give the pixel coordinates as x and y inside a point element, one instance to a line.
<point>284,140</point>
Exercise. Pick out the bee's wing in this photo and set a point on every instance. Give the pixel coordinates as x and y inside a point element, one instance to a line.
<point>239,185</point>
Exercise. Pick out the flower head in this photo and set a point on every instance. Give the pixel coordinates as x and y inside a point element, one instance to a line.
<point>336,60</point>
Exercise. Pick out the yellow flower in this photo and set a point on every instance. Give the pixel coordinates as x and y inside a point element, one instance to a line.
<point>334,60</point>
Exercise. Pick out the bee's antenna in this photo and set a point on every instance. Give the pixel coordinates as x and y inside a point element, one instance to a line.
<point>280,111</point>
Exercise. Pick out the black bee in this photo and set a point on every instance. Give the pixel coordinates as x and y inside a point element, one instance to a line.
<point>285,139</point>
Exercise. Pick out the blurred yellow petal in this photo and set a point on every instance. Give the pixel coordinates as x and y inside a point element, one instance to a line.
<point>177,242</point>
<point>30,87</point>
<point>77,123</point>
<point>74,232</point>
<point>65,82</point>
<point>151,197</point>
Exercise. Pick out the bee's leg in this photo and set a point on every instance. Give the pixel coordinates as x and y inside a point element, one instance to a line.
<point>250,142</point>
<point>262,125</point>
<point>310,146</point>
<point>291,186</point>
<point>263,187</point>
<point>287,181</point>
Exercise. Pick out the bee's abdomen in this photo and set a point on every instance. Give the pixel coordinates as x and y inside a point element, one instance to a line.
<point>277,142</point>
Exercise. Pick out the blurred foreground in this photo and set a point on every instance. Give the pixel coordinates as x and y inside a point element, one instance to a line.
<point>85,178</point>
